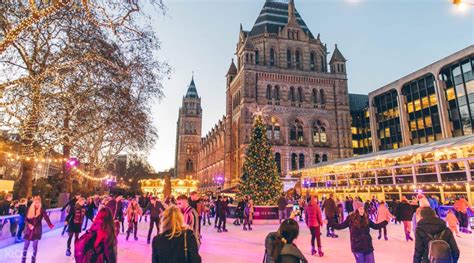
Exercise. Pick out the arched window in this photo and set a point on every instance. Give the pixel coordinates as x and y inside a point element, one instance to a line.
<point>257,57</point>
<point>315,96</point>
<point>300,94</point>
<point>322,97</point>
<point>291,95</point>
<point>294,164</point>
<point>317,158</point>
<point>276,92</point>
<point>288,58</point>
<point>189,166</point>
<point>269,92</point>
<point>296,131</point>
<point>297,57</point>
<point>323,68</point>
<point>312,61</point>
<point>278,162</point>
<point>301,161</point>
<point>272,57</point>
<point>246,57</point>
<point>273,130</point>
<point>325,157</point>
<point>319,132</point>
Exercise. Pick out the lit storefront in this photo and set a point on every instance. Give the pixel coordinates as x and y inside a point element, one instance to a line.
<point>178,186</point>
<point>443,168</point>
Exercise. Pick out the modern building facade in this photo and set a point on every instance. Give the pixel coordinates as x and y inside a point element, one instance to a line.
<point>282,70</point>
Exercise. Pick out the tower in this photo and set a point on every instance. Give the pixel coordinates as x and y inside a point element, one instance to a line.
<point>188,133</point>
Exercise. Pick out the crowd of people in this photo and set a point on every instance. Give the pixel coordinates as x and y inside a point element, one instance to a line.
<point>178,223</point>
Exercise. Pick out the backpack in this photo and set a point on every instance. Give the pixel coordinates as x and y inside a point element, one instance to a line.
<point>439,251</point>
<point>84,247</point>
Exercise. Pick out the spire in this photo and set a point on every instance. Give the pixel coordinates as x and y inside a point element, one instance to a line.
<point>232,69</point>
<point>291,13</point>
<point>192,91</point>
<point>337,56</point>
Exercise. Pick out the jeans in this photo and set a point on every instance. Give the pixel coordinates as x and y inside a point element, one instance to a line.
<point>315,234</point>
<point>21,227</point>
<point>222,222</point>
<point>282,215</point>
<point>364,258</point>
<point>132,227</point>
<point>153,221</point>
<point>25,250</point>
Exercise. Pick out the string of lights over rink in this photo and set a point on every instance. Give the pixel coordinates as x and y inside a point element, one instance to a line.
<point>15,157</point>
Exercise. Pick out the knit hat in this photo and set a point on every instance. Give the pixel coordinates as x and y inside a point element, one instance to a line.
<point>427,212</point>
<point>356,204</point>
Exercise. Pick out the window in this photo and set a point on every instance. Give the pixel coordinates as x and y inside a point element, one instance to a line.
<point>322,97</point>
<point>317,158</point>
<point>319,133</point>
<point>297,57</point>
<point>294,164</point>
<point>300,94</point>
<point>325,158</point>
<point>269,92</point>
<point>323,66</point>
<point>312,62</point>
<point>272,57</point>
<point>315,96</point>
<point>323,135</point>
<point>273,130</point>
<point>301,161</point>
<point>296,131</point>
<point>288,58</point>
<point>276,93</point>
<point>189,166</point>
<point>257,57</point>
<point>278,162</point>
<point>291,95</point>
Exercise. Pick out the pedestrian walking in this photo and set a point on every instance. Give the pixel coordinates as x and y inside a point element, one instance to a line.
<point>176,242</point>
<point>34,227</point>
<point>314,220</point>
<point>359,226</point>
<point>223,210</point>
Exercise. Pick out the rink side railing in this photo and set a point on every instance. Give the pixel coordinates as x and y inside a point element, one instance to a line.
<point>9,225</point>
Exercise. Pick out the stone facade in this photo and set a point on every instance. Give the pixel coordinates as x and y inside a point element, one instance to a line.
<point>281,70</point>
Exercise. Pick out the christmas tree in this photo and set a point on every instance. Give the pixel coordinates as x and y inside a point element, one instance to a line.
<point>260,177</point>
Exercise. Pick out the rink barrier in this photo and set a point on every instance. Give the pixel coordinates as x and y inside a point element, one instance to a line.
<point>11,223</point>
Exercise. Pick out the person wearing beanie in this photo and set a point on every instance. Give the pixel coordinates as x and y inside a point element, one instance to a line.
<point>428,227</point>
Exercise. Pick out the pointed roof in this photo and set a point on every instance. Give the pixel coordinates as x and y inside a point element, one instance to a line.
<point>337,56</point>
<point>232,69</point>
<point>274,16</point>
<point>192,91</point>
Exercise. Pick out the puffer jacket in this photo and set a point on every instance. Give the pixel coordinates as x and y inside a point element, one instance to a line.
<point>313,215</point>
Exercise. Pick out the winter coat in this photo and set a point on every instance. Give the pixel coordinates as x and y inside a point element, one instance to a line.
<point>330,208</point>
<point>282,203</point>
<point>404,211</point>
<point>383,214</point>
<point>291,254</point>
<point>37,226</point>
<point>361,241</point>
<point>191,218</point>
<point>155,210</point>
<point>172,250</point>
<point>223,209</point>
<point>103,251</point>
<point>349,207</point>
<point>269,239</point>
<point>5,208</point>
<point>461,205</point>
<point>452,220</point>
<point>134,214</point>
<point>433,226</point>
<point>313,215</point>
<point>90,210</point>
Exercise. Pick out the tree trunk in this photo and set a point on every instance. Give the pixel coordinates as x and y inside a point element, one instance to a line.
<point>27,145</point>
<point>67,184</point>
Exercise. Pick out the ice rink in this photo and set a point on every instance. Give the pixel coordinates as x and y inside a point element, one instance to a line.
<point>238,246</point>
